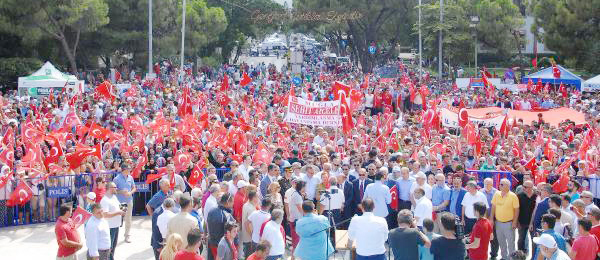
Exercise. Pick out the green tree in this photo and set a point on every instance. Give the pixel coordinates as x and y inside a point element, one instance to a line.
<point>63,20</point>
<point>570,28</point>
<point>497,31</point>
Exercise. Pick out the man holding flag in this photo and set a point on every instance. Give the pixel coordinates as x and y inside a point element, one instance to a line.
<point>66,235</point>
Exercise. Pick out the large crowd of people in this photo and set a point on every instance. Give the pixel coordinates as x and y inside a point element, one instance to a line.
<point>232,180</point>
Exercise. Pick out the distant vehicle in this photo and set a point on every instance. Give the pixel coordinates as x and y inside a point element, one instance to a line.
<point>254,52</point>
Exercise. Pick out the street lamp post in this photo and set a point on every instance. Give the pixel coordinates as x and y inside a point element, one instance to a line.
<point>182,36</point>
<point>440,60</point>
<point>420,43</point>
<point>150,37</point>
<point>474,22</point>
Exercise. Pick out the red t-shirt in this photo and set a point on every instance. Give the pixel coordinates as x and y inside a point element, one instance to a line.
<point>586,247</point>
<point>238,204</point>
<point>482,230</point>
<point>378,100</point>
<point>387,98</point>
<point>254,257</point>
<point>99,193</point>
<point>186,255</point>
<point>65,230</point>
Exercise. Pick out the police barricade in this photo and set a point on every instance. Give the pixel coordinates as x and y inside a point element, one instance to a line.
<point>49,194</point>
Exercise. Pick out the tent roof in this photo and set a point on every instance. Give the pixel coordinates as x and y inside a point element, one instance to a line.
<point>547,74</point>
<point>49,72</point>
<point>594,80</point>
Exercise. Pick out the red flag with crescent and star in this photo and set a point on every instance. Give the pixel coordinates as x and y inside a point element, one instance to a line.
<point>80,216</point>
<point>394,193</point>
<point>346,114</point>
<point>21,195</point>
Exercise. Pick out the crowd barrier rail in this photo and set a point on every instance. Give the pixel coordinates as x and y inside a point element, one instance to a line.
<point>49,194</point>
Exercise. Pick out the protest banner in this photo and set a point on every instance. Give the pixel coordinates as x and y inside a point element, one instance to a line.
<point>324,113</point>
<point>450,119</point>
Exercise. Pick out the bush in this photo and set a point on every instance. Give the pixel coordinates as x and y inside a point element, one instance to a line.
<point>13,68</point>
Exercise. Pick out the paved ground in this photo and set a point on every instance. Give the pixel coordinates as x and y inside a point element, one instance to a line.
<point>38,242</point>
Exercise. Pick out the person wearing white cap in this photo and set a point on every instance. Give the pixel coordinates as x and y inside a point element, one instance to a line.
<point>549,248</point>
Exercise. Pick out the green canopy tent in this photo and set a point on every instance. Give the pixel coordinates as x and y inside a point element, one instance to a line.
<point>48,78</point>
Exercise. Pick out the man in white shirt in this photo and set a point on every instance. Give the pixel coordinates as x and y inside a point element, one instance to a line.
<point>312,181</point>
<point>257,218</point>
<point>421,182</point>
<point>369,232</point>
<point>113,214</point>
<point>468,214</point>
<point>97,235</point>
<point>273,232</point>
<point>163,220</point>
<point>211,202</point>
<point>245,167</point>
<point>423,207</point>
<point>380,194</point>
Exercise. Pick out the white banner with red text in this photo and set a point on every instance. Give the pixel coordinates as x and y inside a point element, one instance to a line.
<point>305,112</point>
<point>450,119</point>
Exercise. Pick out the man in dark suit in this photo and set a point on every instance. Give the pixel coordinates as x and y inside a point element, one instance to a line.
<point>349,208</point>
<point>156,239</point>
<point>359,186</point>
<point>272,176</point>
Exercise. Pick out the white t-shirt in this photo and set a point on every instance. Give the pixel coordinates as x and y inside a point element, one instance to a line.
<point>294,200</point>
<point>210,204</point>
<point>162,222</point>
<point>469,200</point>
<point>257,218</point>
<point>272,233</point>
<point>423,210</point>
<point>111,204</point>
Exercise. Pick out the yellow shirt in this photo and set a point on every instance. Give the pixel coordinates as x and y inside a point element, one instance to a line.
<point>505,206</point>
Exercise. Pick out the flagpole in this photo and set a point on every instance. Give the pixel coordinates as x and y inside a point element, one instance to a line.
<point>420,43</point>
<point>150,37</point>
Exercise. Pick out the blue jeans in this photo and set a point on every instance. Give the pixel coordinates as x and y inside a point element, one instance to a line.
<point>371,257</point>
<point>114,237</point>
<point>274,257</point>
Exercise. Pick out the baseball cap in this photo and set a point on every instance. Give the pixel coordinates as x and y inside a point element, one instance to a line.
<point>91,196</point>
<point>242,184</point>
<point>396,169</point>
<point>545,240</point>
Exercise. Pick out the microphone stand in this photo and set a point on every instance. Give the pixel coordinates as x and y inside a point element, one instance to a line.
<point>331,220</point>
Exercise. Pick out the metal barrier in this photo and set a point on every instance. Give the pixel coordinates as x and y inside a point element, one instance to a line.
<point>49,194</point>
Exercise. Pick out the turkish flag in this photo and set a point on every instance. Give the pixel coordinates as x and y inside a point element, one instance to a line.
<point>182,161</point>
<point>340,87</point>
<point>560,185</point>
<point>548,149</point>
<point>539,139</point>
<point>223,99</point>
<point>516,151</point>
<point>21,195</point>
<point>132,91</point>
<point>185,104</point>
<point>245,79</point>
<point>105,90</point>
<point>494,144</point>
<point>197,174</point>
<point>7,156</point>
<point>155,176</point>
<point>463,115</point>
<point>555,70</point>
<point>530,165</point>
<point>9,137</point>
<point>504,127</point>
<point>394,193</point>
<point>97,132</point>
<point>135,173</point>
<point>347,123</point>
<point>71,120</point>
<point>80,216</point>
<point>33,155</point>
<point>225,82</point>
<point>29,133</point>
<point>563,90</point>
<point>4,179</point>
<point>263,154</point>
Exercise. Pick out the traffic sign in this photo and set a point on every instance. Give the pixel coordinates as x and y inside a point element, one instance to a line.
<point>343,43</point>
<point>372,49</point>
<point>296,81</point>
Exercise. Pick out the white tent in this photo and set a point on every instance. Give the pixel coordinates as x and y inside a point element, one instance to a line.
<point>46,78</point>
<point>592,85</point>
